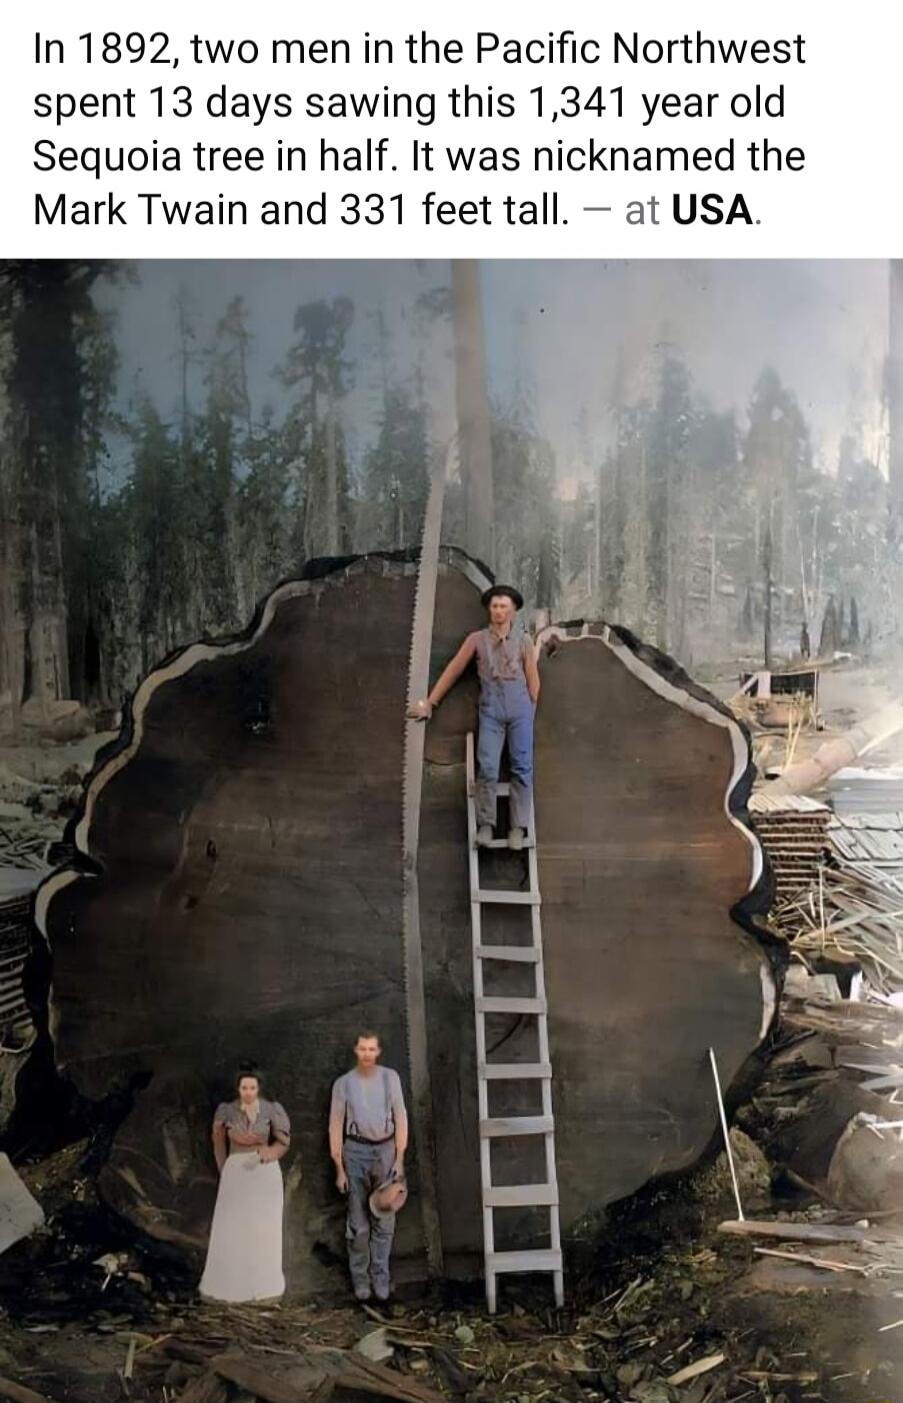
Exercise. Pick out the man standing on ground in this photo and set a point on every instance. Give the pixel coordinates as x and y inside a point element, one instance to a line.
<point>368,1136</point>
<point>509,691</point>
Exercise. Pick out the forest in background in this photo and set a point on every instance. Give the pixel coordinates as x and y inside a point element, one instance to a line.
<point>711,534</point>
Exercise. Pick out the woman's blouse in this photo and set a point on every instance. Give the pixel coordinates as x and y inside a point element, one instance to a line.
<point>268,1122</point>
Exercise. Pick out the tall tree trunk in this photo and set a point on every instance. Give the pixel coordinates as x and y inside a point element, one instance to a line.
<point>768,586</point>
<point>12,623</point>
<point>472,402</point>
<point>186,337</point>
<point>332,483</point>
<point>895,431</point>
<point>43,449</point>
<point>895,396</point>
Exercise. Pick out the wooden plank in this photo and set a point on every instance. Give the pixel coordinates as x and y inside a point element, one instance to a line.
<point>539,1259</point>
<point>795,1232</point>
<point>499,1004</point>
<point>360,1375</point>
<point>507,898</point>
<point>515,1071</point>
<point>517,1125</point>
<point>305,1382</point>
<point>515,954</point>
<point>520,1195</point>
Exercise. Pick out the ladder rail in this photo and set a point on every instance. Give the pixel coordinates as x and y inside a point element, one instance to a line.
<point>544,1195</point>
<point>476,920</point>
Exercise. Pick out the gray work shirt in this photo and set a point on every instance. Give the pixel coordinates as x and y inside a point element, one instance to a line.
<point>368,1105</point>
<point>501,659</point>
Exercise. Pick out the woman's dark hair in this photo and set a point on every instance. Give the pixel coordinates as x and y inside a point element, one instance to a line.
<point>248,1069</point>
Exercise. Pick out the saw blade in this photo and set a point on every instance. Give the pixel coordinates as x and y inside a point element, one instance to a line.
<point>412,789</point>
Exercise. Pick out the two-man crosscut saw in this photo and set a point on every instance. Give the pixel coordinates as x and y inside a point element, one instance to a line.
<point>412,788</point>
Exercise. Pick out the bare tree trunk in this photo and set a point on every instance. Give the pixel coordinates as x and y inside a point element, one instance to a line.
<point>186,336</point>
<point>332,483</point>
<point>767,545</point>
<point>12,623</point>
<point>895,437</point>
<point>596,557</point>
<point>472,401</point>
<point>895,400</point>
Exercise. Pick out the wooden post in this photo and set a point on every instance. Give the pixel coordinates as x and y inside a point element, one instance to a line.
<point>726,1133</point>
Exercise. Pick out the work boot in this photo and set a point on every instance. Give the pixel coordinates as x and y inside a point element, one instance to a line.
<point>516,838</point>
<point>484,835</point>
<point>382,1292</point>
<point>362,1292</point>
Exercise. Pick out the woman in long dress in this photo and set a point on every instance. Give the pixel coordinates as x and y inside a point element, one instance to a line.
<point>244,1258</point>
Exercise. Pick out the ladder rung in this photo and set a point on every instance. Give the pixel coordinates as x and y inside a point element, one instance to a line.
<point>502,789</point>
<point>498,1003</point>
<point>517,954</point>
<point>511,898</point>
<point>516,1071</point>
<point>521,1196</point>
<point>503,843</point>
<point>517,1125</point>
<point>541,1259</point>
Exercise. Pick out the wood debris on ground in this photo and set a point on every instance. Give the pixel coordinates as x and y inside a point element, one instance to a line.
<point>845,905</point>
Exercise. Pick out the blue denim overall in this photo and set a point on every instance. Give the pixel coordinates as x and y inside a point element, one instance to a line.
<point>506,714</point>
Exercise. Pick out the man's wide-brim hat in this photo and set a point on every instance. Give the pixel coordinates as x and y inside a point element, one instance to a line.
<point>505,592</point>
<point>388,1198</point>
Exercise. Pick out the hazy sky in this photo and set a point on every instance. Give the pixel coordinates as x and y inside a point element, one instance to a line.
<point>562,328</point>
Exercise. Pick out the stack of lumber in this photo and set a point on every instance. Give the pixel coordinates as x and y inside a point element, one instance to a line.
<point>16,889</point>
<point>793,830</point>
<point>25,849</point>
<point>871,847</point>
<point>854,909</point>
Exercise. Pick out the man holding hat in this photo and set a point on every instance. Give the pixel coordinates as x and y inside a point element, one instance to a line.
<point>368,1137</point>
<point>509,691</point>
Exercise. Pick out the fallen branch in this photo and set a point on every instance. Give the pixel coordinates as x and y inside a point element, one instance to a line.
<point>18,1393</point>
<point>810,1261</point>
<point>794,1232</point>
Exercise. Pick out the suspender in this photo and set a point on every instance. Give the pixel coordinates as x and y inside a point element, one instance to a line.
<point>351,1128</point>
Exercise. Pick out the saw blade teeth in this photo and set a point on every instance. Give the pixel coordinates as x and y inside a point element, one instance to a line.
<point>411,789</point>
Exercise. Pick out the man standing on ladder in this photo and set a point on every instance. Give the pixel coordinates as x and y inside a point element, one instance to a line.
<point>509,691</point>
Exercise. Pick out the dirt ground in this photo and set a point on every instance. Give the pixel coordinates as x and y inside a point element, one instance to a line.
<point>652,1290</point>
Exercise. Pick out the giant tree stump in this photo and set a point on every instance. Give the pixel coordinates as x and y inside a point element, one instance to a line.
<point>237,892</point>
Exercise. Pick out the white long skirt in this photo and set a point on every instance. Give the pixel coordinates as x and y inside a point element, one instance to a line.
<point>244,1259</point>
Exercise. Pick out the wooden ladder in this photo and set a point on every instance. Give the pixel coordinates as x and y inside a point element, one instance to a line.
<point>544,1195</point>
